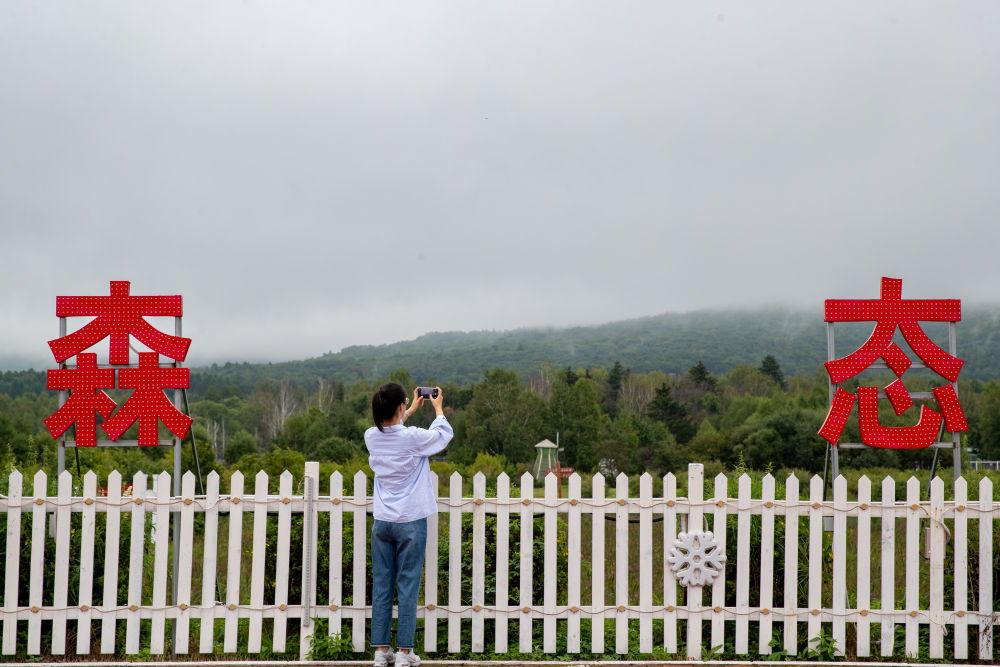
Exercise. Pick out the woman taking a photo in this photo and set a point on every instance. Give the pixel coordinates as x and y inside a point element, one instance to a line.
<point>403,499</point>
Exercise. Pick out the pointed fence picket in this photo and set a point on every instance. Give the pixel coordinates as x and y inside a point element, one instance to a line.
<point>933,537</point>
<point>210,559</point>
<point>573,558</point>
<point>669,578</point>
<point>282,559</point>
<point>719,584</point>
<point>502,600</point>
<point>987,618</point>
<point>766,565</point>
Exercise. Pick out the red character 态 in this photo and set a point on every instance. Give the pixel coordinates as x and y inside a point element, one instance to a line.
<point>890,312</point>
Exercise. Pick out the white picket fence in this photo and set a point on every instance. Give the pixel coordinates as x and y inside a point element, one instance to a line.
<point>864,533</point>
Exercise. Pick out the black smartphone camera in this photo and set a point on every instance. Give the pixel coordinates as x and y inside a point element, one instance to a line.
<point>427,392</point>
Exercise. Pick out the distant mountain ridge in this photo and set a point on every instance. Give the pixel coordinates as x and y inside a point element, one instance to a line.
<point>671,342</point>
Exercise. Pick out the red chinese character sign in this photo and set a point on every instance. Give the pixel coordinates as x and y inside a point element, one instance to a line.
<point>891,312</point>
<point>118,317</point>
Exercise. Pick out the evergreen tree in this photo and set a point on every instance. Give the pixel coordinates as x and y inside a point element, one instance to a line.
<point>769,367</point>
<point>616,376</point>
<point>701,376</point>
<point>502,419</point>
<point>574,411</point>
<point>664,408</point>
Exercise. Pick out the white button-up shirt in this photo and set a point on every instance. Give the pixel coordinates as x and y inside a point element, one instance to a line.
<point>398,456</point>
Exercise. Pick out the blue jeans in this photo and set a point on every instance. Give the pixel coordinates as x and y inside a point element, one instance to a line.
<point>397,563</point>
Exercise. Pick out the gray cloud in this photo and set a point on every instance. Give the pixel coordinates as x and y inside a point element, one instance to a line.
<point>315,175</point>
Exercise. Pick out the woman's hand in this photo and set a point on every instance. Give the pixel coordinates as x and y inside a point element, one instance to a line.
<point>438,402</point>
<point>417,402</point>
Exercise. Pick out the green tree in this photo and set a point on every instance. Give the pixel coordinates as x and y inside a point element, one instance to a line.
<point>240,444</point>
<point>502,419</point>
<point>656,447</point>
<point>664,408</point>
<point>618,447</point>
<point>575,413</point>
<point>616,376</point>
<point>985,423</point>
<point>769,367</point>
<point>701,376</point>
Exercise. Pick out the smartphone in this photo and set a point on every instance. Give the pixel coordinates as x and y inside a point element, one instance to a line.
<point>427,392</point>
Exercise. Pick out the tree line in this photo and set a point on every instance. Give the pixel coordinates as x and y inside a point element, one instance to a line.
<point>607,419</point>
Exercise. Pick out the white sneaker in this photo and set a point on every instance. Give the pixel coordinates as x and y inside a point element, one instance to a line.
<point>410,659</point>
<point>384,659</point>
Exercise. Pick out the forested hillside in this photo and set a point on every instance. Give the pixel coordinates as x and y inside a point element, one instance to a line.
<point>670,343</point>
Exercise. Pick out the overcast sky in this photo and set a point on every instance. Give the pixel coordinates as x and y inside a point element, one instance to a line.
<point>312,175</point>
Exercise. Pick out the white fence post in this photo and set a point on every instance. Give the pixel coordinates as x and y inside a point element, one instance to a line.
<point>233,561</point>
<point>137,552</point>
<point>669,578</point>
<point>621,564</point>
<point>986,602</point>
<point>88,528</point>
<point>912,567</point>
<point>766,565</point>
<point>310,547</point>
<point>360,561</point>
<point>839,590</point>
<point>455,564</point>
<point>12,566</point>
<point>549,575</point>
<point>60,588</point>
<point>185,552</point>
<point>696,494</point>
<point>431,576</point>
<point>742,565</point>
<point>887,629</point>
<point>257,556</point>
<point>645,563</point>
<point>719,520</point>
<point>38,527</point>
<point>815,558</point>
<point>526,552</point>
<point>283,554</point>
<point>791,602</point>
<point>112,532</point>
<point>864,567</point>
<point>597,599</point>
<point>961,553</point>
<point>336,551</point>
<point>208,571</point>
<point>161,558</point>
<point>478,562</point>
<point>936,578</point>
<point>502,562</point>
<point>573,546</point>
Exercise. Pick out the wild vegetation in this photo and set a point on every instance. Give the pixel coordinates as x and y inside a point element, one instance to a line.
<point>607,419</point>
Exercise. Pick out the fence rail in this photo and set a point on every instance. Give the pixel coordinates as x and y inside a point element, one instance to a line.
<point>928,567</point>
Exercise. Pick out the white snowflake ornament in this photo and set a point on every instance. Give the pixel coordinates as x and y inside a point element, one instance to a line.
<point>695,558</point>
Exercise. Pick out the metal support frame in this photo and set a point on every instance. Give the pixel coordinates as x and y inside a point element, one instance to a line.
<point>833,451</point>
